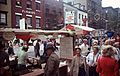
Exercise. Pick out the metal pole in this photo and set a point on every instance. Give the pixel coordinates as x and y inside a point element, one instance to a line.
<point>106,20</point>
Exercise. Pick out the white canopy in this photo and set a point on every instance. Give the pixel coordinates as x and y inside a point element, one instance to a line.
<point>86,28</point>
<point>31,30</point>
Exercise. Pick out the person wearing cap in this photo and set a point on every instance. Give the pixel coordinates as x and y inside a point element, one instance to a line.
<point>106,65</point>
<point>4,62</point>
<point>84,47</point>
<point>52,65</point>
<point>91,60</point>
<point>78,65</point>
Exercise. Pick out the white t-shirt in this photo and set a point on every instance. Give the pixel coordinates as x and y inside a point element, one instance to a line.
<point>84,49</point>
<point>90,60</point>
<point>22,56</point>
<point>41,50</point>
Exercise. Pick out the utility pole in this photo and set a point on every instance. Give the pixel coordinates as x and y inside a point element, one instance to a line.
<point>106,26</point>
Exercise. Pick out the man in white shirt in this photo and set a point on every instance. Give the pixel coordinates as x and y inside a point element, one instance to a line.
<point>91,60</point>
<point>22,58</point>
<point>84,47</point>
<point>41,50</point>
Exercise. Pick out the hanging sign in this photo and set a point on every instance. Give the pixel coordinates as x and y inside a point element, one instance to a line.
<point>8,35</point>
<point>69,17</point>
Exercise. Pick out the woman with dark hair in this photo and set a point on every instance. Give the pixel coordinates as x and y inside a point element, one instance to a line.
<point>78,65</point>
<point>107,66</point>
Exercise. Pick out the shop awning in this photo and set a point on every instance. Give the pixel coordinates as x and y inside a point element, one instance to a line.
<point>32,31</point>
<point>86,28</point>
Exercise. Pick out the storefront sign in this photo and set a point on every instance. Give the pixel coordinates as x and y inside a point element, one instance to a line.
<point>28,12</point>
<point>69,17</point>
<point>8,35</point>
<point>66,47</point>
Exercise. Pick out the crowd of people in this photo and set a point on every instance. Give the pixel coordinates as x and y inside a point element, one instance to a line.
<point>15,59</point>
<point>101,58</point>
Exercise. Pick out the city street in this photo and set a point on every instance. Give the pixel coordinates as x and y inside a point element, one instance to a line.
<point>59,37</point>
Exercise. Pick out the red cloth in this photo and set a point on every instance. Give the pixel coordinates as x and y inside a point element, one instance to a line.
<point>70,27</point>
<point>24,37</point>
<point>107,67</point>
<point>85,32</point>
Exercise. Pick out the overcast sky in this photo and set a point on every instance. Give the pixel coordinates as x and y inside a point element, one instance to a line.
<point>113,3</point>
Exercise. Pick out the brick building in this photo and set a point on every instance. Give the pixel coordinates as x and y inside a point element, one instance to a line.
<point>31,10</point>
<point>5,13</point>
<point>41,14</point>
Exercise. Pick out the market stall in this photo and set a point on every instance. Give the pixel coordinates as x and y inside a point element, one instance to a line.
<point>9,34</point>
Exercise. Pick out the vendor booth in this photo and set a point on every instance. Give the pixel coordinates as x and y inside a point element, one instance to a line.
<point>65,38</point>
<point>9,34</point>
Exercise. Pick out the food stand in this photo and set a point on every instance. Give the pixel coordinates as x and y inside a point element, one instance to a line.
<point>26,35</point>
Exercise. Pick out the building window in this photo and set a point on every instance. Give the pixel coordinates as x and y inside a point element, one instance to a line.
<point>3,18</point>
<point>37,6</point>
<point>37,22</point>
<point>29,21</point>
<point>79,16</point>
<point>29,4</point>
<point>18,17</point>
<point>18,3</point>
<point>3,1</point>
<point>82,16</point>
